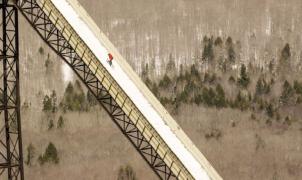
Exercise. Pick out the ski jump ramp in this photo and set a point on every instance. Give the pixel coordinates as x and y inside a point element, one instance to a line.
<point>156,125</point>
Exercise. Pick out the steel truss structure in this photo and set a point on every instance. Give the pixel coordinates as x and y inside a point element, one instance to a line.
<point>11,159</point>
<point>48,32</point>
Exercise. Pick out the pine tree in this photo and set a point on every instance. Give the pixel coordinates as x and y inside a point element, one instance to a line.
<point>53,97</point>
<point>47,104</point>
<point>165,82</point>
<point>92,101</point>
<point>218,41</point>
<point>298,87</point>
<point>220,100</point>
<point>171,67</point>
<point>208,50</point>
<point>286,54</point>
<point>50,155</point>
<point>287,93</point>
<point>270,110</point>
<point>50,124</point>
<point>243,80</point>
<point>145,71</point>
<point>230,50</point>
<point>60,123</point>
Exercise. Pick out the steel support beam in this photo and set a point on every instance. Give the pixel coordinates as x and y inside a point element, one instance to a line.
<point>48,32</point>
<point>11,158</point>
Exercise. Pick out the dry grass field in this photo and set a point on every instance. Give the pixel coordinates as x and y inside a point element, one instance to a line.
<point>90,147</point>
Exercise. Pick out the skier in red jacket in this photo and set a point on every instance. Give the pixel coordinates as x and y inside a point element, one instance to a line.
<point>110,58</point>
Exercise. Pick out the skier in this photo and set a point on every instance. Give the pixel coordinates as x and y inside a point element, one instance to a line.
<point>110,58</point>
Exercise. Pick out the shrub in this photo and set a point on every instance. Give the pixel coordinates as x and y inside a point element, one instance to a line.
<point>182,97</point>
<point>287,121</point>
<point>30,154</point>
<point>231,54</point>
<point>214,133</point>
<point>155,90</point>
<point>210,78</point>
<point>270,110</point>
<point>299,100</point>
<point>60,123</point>
<point>126,173</point>
<point>231,79</point>
<point>48,63</point>
<point>253,116</point>
<point>148,83</point>
<point>165,100</point>
<point>41,50</point>
<point>198,99</point>
<point>50,124</point>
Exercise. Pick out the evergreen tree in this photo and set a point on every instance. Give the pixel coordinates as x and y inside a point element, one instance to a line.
<point>208,51</point>
<point>229,41</point>
<point>50,124</point>
<point>220,100</point>
<point>165,82</point>
<point>171,67</point>
<point>243,80</point>
<point>240,102</point>
<point>53,97</point>
<point>230,50</point>
<point>60,123</point>
<point>270,110</point>
<point>194,71</point>
<point>50,155</point>
<point>92,101</point>
<point>298,87</point>
<point>262,87</point>
<point>208,96</point>
<point>47,104</point>
<point>74,98</point>
<point>287,93</point>
<point>218,41</point>
<point>145,71</point>
<point>286,54</point>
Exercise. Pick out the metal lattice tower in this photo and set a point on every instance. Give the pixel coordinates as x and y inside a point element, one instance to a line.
<point>11,159</point>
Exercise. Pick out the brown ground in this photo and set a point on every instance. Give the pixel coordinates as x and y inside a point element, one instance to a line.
<point>91,147</point>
